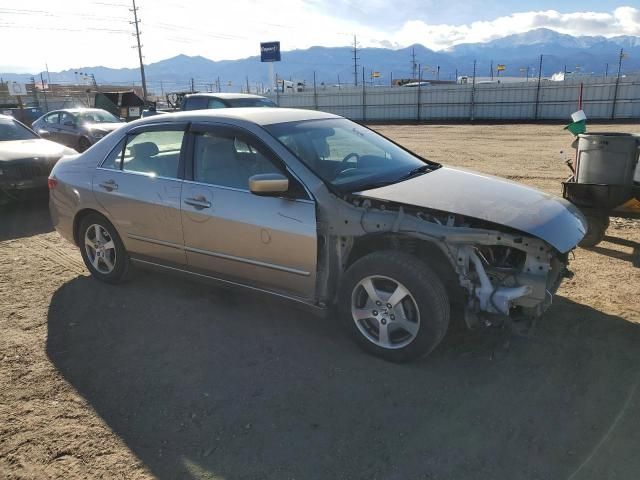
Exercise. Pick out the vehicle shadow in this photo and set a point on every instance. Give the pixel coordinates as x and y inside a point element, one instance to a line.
<point>25,218</point>
<point>201,382</point>
<point>633,257</point>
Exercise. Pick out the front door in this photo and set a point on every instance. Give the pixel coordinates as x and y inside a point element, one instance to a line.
<point>139,184</point>
<point>50,126</point>
<point>267,242</point>
<point>68,132</point>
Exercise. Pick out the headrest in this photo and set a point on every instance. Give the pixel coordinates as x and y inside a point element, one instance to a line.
<point>144,149</point>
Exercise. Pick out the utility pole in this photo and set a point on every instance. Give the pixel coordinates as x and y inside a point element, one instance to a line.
<point>491,68</point>
<point>192,86</point>
<point>355,60</point>
<point>606,69</point>
<point>414,65</point>
<point>44,92</point>
<point>136,23</point>
<point>535,115</point>
<point>248,84</point>
<point>615,90</point>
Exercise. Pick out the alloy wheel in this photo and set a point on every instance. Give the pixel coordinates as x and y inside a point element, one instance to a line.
<point>100,248</point>
<point>385,312</point>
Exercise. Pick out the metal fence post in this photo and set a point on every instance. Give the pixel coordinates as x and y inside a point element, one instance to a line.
<point>473,93</point>
<point>419,90</point>
<point>364,98</point>
<point>315,92</point>
<point>535,115</point>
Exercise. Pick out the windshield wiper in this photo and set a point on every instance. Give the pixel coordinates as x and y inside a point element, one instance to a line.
<point>416,171</point>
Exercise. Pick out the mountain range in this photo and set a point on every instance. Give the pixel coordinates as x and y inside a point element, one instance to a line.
<point>583,54</point>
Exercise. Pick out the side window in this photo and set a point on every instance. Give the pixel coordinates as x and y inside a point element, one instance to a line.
<point>51,119</point>
<point>67,119</point>
<point>215,103</point>
<point>114,159</point>
<point>228,160</point>
<point>195,103</point>
<point>155,153</point>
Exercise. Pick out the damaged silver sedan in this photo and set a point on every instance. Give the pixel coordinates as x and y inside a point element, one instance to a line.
<point>318,209</point>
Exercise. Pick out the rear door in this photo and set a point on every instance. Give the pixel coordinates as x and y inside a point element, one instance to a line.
<point>139,184</point>
<point>267,242</point>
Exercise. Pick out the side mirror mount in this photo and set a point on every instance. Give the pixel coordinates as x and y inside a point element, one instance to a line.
<point>268,184</point>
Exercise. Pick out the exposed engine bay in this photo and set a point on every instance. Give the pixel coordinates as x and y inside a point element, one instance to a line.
<point>501,271</point>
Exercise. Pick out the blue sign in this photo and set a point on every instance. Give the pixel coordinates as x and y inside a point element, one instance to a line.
<point>270,52</point>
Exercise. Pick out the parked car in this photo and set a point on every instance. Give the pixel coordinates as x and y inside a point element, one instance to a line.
<point>202,101</point>
<point>315,208</point>
<point>25,159</point>
<point>77,128</point>
<point>151,111</point>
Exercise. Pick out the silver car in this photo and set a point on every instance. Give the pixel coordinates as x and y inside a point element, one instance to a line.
<point>320,210</point>
<point>78,128</point>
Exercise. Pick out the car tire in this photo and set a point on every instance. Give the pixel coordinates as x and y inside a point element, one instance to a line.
<point>83,144</point>
<point>597,224</point>
<point>418,317</point>
<point>102,249</point>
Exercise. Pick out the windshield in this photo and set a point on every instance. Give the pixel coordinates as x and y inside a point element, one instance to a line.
<point>348,156</point>
<point>12,130</point>
<point>250,102</point>
<point>98,116</point>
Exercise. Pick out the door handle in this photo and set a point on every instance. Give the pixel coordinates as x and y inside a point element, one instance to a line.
<point>109,185</point>
<point>198,202</point>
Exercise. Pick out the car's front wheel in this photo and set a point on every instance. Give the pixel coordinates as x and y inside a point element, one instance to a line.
<point>102,249</point>
<point>394,305</point>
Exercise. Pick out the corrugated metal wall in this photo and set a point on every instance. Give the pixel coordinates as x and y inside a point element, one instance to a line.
<point>485,101</point>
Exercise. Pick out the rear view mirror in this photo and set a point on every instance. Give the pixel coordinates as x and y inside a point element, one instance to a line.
<point>267,184</point>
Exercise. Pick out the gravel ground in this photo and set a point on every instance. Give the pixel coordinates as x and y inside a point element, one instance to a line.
<point>165,378</point>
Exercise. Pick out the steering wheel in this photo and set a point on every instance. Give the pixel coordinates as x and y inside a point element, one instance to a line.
<point>346,165</point>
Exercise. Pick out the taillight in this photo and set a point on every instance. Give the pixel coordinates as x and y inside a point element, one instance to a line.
<point>52,182</point>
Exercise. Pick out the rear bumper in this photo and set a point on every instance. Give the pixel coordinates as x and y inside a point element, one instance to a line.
<point>61,214</point>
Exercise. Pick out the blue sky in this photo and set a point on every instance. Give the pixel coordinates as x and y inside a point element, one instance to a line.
<point>77,33</point>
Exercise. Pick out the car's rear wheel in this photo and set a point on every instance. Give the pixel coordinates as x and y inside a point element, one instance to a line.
<point>83,144</point>
<point>102,249</point>
<point>394,305</point>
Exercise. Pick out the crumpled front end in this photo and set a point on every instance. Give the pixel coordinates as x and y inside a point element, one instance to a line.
<point>502,271</point>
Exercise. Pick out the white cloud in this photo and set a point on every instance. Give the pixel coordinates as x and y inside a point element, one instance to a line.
<point>622,21</point>
<point>78,33</point>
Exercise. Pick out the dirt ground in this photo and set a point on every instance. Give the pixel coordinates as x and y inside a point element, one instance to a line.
<point>164,378</point>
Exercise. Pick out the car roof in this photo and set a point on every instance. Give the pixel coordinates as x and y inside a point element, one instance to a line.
<point>224,96</point>
<point>259,116</point>
<point>77,110</point>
